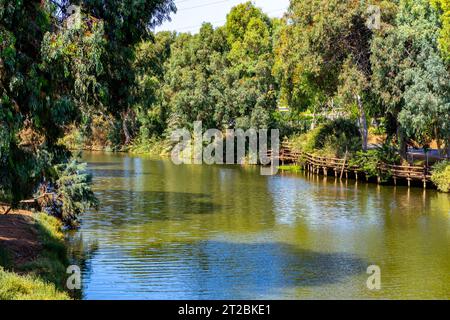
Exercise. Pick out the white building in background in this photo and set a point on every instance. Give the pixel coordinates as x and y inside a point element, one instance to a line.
<point>74,17</point>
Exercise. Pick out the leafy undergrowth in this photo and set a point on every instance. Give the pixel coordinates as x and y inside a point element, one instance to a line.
<point>290,168</point>
<point>153,146</point>
<point>334,138</point>
<point>42,278</point>
<point>441,176</point>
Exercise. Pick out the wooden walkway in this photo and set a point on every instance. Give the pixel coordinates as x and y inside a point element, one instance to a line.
<point>341,167</point>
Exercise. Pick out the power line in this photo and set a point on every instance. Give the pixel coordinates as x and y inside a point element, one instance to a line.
<point>181,1</point>
<point>203,5</point>
<point>221,21</point>
<point>199,25</point>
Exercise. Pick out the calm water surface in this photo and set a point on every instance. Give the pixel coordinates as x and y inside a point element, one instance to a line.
<point>225,232</point>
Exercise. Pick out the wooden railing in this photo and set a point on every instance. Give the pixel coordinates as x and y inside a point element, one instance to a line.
<point>316,164</point>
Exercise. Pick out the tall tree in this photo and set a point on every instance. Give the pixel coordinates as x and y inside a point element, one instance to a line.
<point>410,75</point>
<point>190,80</point>
<point>223,76</point>
<point>126,23</point>
<point>31,110</point>
<point>323,46</point>
<point>443,7</point>
<point>150,58</point>
<point>249,34</point>
<point>53,70</point>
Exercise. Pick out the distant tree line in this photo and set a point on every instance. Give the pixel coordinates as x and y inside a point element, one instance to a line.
<point>321,57</point>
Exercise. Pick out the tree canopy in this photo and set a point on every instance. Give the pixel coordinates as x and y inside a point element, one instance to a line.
<point>54,73</point>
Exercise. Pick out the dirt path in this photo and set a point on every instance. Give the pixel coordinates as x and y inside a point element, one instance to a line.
<point>19,236</point>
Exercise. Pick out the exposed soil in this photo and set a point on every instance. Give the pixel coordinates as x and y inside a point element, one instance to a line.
<point>19,236</point>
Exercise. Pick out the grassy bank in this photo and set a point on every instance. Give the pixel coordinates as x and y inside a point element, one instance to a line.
<point>290,168</point>
<point>153,147</point>
<point>43,277</point>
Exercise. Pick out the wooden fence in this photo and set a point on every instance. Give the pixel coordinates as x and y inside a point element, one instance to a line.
<point>341,167</point>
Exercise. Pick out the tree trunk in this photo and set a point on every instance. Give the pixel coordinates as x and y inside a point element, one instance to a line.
<point>362,123</point>
<point>403,148</point>
<point>126,132</point>
<point>448,148</point>
<point>313,124</point>
<point>438,141</point>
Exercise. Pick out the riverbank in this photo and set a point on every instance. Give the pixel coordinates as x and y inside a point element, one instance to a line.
<point>33,257</point>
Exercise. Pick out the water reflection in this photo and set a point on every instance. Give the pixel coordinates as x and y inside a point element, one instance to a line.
<point>221,232</point>
<point>217,270</point>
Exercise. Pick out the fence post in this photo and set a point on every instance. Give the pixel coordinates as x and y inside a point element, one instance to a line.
<point>425,176</point>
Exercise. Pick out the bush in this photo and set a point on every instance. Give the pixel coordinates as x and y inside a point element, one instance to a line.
<point>332,139</point>
<point>151,146</point>
<point>70,192</point>
<point>369,161</point>
<point>441,176</point>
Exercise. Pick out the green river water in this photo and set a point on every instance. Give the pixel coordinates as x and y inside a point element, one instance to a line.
<point>226,232</point>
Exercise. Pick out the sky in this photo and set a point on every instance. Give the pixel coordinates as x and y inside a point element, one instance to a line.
<point>192,13</point>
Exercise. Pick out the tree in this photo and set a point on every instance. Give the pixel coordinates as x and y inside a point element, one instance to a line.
<point>443,7</point>
<point>126,23</point>
<point>149,66</point>
<point>410,76</point>
<point>51,71</point>
<point>191,78</point>
<point>223,76</point>
<point>324,50</point>
<point>31,111</point>
<point>354,83</point>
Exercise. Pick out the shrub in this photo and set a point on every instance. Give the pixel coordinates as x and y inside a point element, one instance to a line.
<point>151,146</point>
<point>334,139</point>
<point>68,192</point>
<point>369,161</point>
<point>441,176</point>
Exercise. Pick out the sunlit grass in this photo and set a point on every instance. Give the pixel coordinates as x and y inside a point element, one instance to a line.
<point>42,278</point>
<point>27,287</point>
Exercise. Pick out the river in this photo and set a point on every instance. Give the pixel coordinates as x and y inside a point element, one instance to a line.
<point>225,232</point>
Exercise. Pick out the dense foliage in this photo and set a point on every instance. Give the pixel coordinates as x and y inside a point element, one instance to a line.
<point>67,194</point>
<point>337,138</point>
<point>369,162</point>
<point>60,66</point>
<point>441,176</point>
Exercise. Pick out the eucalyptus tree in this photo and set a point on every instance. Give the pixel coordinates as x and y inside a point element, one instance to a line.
<point>126,23</point>
<point>149,65</point>
<point>410,75</point>
<point>323,57</point>
<point>443,7</point>
<point>51,71</point>
<point>190,77</point>
<point>250,59</point>
<point>31,111</point>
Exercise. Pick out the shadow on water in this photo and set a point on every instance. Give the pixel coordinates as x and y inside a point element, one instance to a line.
<point>95,165</point>
<point>116,173</point>
<point>128,206</point>
<point>276,264</point>
<point>217,270</point>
